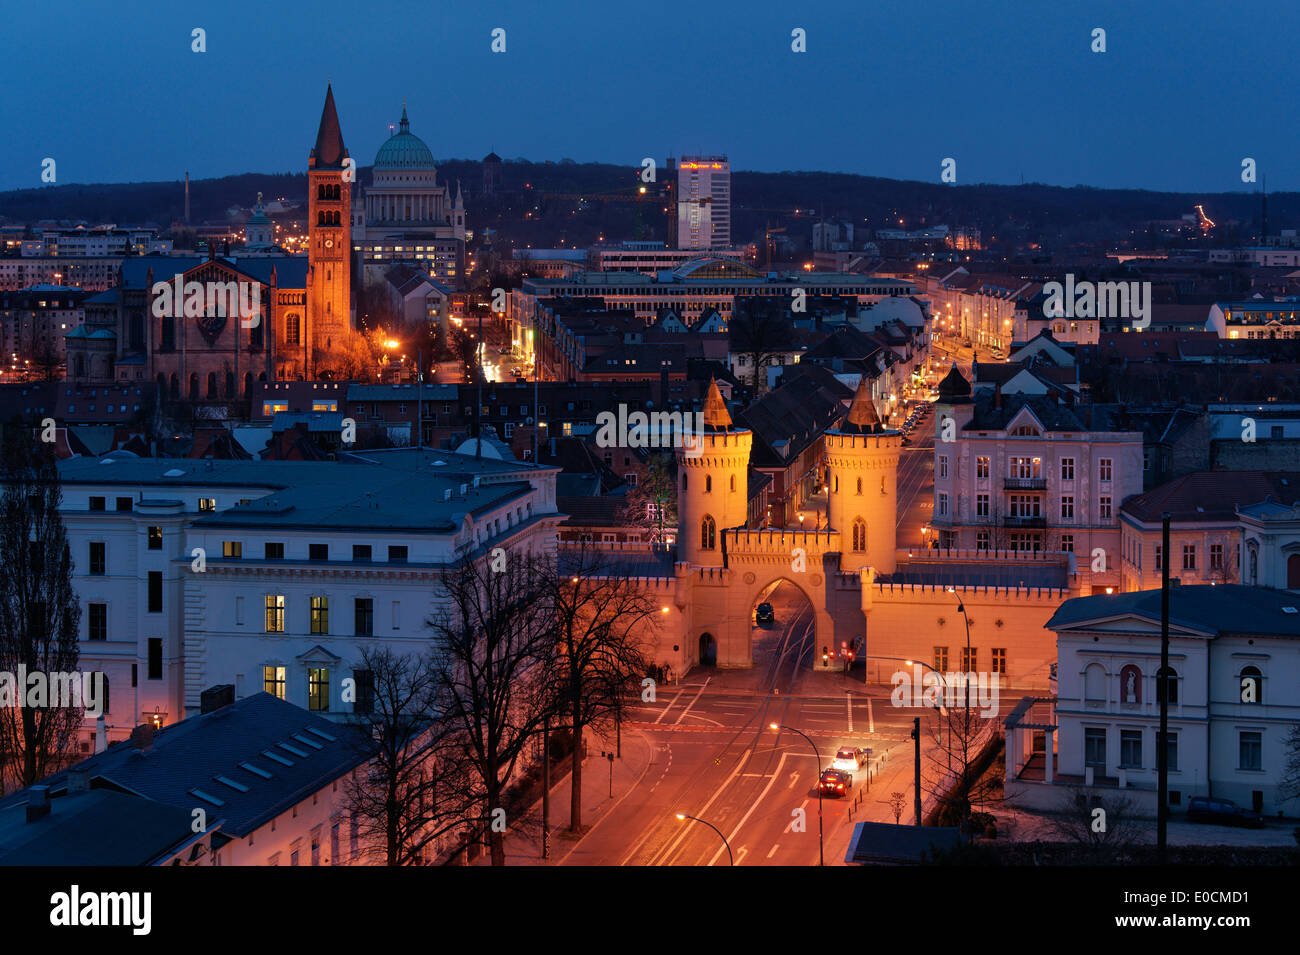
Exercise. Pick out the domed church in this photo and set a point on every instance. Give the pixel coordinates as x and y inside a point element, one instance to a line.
<point>405,215</point>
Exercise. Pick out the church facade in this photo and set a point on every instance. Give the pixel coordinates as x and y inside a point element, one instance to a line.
<point>206,328</point>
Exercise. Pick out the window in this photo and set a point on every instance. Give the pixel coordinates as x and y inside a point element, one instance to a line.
<point>1160,558</point>
<point>275,550</point>
<point>318,551</point>
<point>207,504</point>
<point>1146,459</point>
<point>708,484</point>
<point>320,615</point>
<point>1216,557</point>
<point>361,552</point>
<point>981,467</point>
<point>1067,469</point>
<point>1104,508</point>
<point>363,612</point>
<point>397,554</point>
<point>1172,749</point>
<point>1024,467</point>
<point>708,533</point>
<point>273,681</point>
<point>97,623</point>
<point>275,613</point>
<point>1167,677</point>
<point>1094,683</point>
<point>365,685</point>
<point>943,470</point>
<point>981,505</point>
<point>943,504</point>
<point>97,504</point>
<point>1130,749</point>
<point>1104,470</point>
<point>1067,543</point>
<point>859,490</point>
<point>397,607</point>
<point>1252,685</point>
<point>981,540</point>
<point>335,858</point>
<point>1067,508</point>
<point>941,659</point>
<point>155,538</point>
<point>155,591</point>
<point>1094,748</point>
<point>1250,750</point>
<point>1189,557</point>
<point>968,657</point>
<point>1026,505</point>
<point>999,659</point>
<point>233,549</point>
<point>124,503</point>
<point>859,536</point>
<point>97,558</point>
<point>155,658</point>
<point>318,689</point>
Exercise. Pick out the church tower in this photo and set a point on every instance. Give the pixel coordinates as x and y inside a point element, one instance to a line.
<point>330,173</point>
<point>862,471</point>
<point>712,470</point>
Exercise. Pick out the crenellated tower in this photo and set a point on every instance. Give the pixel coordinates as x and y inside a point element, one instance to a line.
<point>712,471</point>
<point>862,472</point>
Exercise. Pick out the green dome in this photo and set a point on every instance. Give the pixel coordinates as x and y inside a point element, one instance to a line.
<point>403,150</point>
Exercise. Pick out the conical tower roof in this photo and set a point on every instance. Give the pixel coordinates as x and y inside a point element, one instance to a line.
<point>954,389</point>
<point>329,151</point>
<point>716,414</point>
<point>862,417</point>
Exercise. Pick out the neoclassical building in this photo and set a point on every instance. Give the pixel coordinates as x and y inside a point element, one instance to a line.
<point>405,215</point>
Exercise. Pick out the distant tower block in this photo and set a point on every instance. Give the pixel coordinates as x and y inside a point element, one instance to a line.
<point>862,470</point>
<point>711,484</point>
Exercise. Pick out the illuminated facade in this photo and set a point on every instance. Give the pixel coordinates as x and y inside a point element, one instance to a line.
<point>704,203</point>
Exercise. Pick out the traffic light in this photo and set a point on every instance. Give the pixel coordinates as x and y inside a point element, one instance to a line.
<point>826,656</point>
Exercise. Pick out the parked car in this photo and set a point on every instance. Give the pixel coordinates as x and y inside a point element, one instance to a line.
<point>850,759</point>
<point>1223,813</point>
<point>833,782</point>
<point>764,613</point>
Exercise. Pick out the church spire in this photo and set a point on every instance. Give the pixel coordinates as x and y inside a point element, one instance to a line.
<point>405,124</point>
<point>862,412</point>
<point>329,151</point>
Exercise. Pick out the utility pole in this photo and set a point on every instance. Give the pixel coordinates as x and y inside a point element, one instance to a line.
<point>916,735</point>
<point>419,413</point>
<point>546,788</point>
<point>1162,688</point>
<point>478,405</point>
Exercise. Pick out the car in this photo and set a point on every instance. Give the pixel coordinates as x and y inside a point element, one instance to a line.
<point>764,613</point>
<point>1223,813</point>
<point>850,759</point>
<point>833,782</point>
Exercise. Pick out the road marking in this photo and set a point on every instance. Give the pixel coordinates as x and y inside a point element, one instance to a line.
<point>802,805</point>
<point>664,711</point>
<point>871,720</point>
<point>794,778</point>
<point>773,850</point>
<point>672,847</point>
<point>745,818</point>
<point>741,854</point>
<point>848,703</point>
<point>693,702</point>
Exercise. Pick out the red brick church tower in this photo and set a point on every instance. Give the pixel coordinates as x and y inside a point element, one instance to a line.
<point>330,173</point>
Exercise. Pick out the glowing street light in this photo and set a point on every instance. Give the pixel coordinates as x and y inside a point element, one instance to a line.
<point>683,816</point>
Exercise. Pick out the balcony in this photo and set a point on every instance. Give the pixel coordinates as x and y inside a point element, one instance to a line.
<point>1025,484</point>
<point>1017,521</point>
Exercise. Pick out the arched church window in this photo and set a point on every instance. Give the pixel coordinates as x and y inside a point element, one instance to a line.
<point>708,533</point>
<point>194,386</point>
<point>859,536</point>
<point>212,384</point>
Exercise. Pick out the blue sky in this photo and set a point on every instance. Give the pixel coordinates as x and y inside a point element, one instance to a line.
<point>1183,93</point>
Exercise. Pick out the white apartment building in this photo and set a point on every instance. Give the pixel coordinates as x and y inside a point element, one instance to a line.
<point>651,258</point>
<point>1234,697</point>
<point>704,202</point>
<point>274,575</point>
<point>1030,473</point>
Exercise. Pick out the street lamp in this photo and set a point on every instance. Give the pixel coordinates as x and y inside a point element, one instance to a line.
<point>683,816</point>
<point>817,756</point>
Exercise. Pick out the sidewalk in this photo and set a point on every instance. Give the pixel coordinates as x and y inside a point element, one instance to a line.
<point>523,839</point>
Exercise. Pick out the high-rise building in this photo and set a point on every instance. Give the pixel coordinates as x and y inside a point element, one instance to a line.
<point>704,203</point>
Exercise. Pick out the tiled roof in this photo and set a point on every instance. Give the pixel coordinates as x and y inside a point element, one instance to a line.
<point>1220,609</point>
<point>1213,495</point>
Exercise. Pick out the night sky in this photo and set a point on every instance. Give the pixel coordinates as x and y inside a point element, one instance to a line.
<point>1011,90</point>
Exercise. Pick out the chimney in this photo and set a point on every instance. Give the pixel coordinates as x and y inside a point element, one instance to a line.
<point>38,803</point>
<point>215,697</point>
<point>142,738</point>
<point>101,734</point>
<point>78,780</point>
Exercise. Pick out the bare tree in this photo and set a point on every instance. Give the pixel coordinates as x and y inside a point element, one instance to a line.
<point>602,618</point>
<point>39,610</point>
<point>1105,827</point>
<point>897,803</point>
<point>1289,786</point>
<point>961,733</point>
<point>412,788</point>
<point>496,642</point>
<point>760,332</point>
<point>651,504</point>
